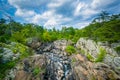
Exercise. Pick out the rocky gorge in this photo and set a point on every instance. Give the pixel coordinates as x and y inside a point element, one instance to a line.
<point>52,62</point>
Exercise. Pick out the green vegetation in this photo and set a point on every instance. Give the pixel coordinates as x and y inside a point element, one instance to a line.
<point>70,50</point>
<point>101,55</point>
<point>5,67</point>
<point>36,70</point>
<point>90,57</point>
<point>117,49</point>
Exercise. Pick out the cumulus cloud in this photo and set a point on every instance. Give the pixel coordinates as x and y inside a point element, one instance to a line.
<point>61,12</point>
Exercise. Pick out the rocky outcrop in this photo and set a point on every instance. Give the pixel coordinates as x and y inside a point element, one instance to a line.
<point>111,59</point>
<point>83,69</point>
<point>31,68</point>
<point>93,48</point>
<point>52,63</point>
<point>7,55</point>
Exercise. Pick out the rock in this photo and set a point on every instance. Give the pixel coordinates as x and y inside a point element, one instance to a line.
<point>61,44</point>
<point>6,55</point>
<point>23,75</point>
<point>117,61</point>
<point>33,42</point>
<point>86,70</point>
<point>58,67</point>
<point>25,69</point>
<point>93,48</point>
<point>108,59</point>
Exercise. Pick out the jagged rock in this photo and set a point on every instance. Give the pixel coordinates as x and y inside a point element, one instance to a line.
<point>86,70</point>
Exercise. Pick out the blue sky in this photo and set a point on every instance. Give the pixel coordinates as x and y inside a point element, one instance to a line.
<point>57,13</point>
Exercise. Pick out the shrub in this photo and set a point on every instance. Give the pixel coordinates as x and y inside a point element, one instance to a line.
<point>101,55</point>
<point>70,50</point>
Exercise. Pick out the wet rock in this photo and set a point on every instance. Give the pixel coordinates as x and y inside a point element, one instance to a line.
<point>58,67</point>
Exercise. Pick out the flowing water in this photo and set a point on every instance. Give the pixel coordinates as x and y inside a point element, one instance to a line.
<point>58,67</point>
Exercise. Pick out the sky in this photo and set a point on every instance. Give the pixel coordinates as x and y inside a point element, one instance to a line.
<point>57,13</point>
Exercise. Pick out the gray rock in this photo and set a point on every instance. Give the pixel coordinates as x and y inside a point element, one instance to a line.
<point>33,42</point>
<point>117,61</point>
<point>108,59</point>
<point>61,44</point>
<point>7,55</point>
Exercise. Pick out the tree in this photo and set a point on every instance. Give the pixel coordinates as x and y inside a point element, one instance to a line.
<point>104,16</point>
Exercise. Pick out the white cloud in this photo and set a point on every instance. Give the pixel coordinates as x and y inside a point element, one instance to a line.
<point>24,13</point>
<point>59,12</point>
<point>79,8</point>
<point>97,4</point>
<point>51,22</point>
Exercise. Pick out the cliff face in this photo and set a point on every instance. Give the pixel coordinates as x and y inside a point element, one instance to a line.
<point>93,61</point>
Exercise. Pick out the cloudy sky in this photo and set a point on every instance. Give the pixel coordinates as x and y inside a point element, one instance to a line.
<point>57,13</point>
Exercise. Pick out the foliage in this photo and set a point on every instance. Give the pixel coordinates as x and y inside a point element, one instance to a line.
<point>117,49</point>
<point>4,67</point>
<point>70,50</point>
<point>36,70</point>
<point>101,55</point>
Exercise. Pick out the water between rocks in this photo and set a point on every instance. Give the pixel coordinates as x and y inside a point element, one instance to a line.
<point>57,67</point>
